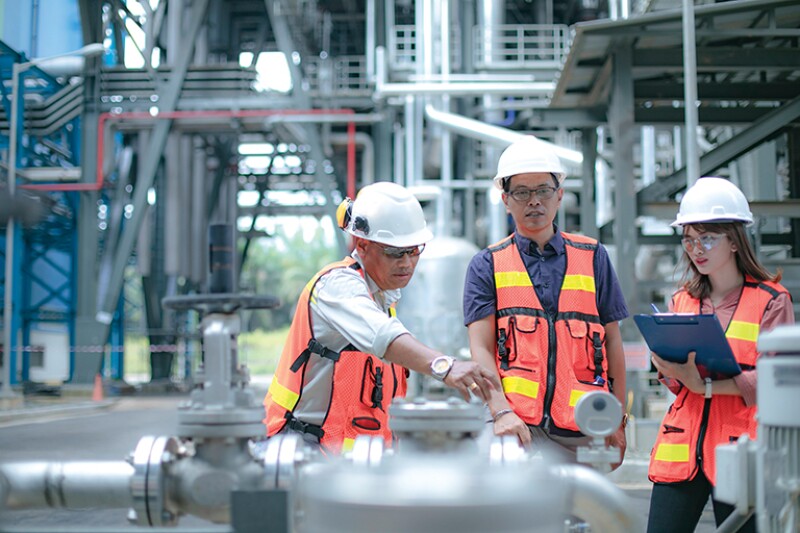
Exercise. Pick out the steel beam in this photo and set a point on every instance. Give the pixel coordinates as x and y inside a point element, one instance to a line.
<point>661,90</point>
<point>719,59</point>
<point>280,27</point>
<point>745,141</point>
<point>151,160</point>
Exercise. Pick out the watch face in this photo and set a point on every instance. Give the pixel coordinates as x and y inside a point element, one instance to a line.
<point>440,364</point>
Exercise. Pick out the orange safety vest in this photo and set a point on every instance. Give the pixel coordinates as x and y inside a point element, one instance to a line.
<point>547,363</point>
<point>362,389</point>
<point>694,426</point>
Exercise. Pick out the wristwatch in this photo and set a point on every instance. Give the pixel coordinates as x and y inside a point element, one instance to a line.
<point>441,366</point>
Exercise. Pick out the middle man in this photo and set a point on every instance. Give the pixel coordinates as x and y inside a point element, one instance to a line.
<point>542,310</point>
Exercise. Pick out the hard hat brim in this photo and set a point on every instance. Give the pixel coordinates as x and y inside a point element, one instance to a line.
<point>403,241</point>
<point>701,219</point>
<point>498,180</point>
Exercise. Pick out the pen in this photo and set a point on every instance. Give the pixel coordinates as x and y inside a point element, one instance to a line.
<point>654,308</point>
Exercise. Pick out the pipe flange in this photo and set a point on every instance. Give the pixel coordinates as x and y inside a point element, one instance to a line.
<point>282,457</point>
<point>148,483</point>
<point>367,450</point>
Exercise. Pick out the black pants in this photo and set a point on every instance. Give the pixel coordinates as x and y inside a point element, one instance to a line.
<point>676,507</point>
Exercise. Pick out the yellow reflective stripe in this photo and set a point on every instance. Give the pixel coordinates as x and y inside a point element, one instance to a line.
<point>512,279</point>
<point>347,445</point>
<point>746,331</point>
<point>673,453</point>
<point>312,294</point>
<point>578,283</point>
<point>574,396</point>
<point>392,311</point>
<point>283,396</point>
<point>521,386</point>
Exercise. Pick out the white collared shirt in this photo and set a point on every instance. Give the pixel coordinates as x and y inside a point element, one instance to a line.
<point>345,310</point>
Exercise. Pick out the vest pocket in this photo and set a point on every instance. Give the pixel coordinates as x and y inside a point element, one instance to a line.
<point>520,347</point>
<point>590,364</point>
<point>366,423</point>
<point>672,458</point>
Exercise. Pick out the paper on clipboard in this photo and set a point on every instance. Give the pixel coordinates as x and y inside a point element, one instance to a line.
<point>673,335</point>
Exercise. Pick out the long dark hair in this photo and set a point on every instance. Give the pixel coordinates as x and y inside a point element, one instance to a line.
<point>698,285</point>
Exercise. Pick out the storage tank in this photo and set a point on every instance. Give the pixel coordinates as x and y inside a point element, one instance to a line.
<point>431,306</point>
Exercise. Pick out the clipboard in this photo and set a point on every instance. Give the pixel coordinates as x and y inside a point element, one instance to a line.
<point>673,335</point>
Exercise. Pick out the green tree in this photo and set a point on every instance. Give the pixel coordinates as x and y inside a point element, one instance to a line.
<point>280,266</point>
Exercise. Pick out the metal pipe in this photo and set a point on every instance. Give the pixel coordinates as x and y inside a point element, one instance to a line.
<point>172,115</point>
<point>597,500</point>
<point>464,88</point>
<point>690,93</point>
<point>363,140</point>
<point>76,484</point>
<point>734,522</point>
<point>6,392</point>
<point>502,137</point>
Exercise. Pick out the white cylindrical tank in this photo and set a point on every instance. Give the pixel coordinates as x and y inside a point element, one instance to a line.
<point>430,493</point>
<point>431,306</point>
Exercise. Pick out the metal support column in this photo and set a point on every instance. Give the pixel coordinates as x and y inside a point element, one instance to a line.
<point>624,130</point>
<point>588,206</point>
<point>150,161</point>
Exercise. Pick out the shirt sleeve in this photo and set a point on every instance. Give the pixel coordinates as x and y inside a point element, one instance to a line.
<point>341,302</point>
<point>610,302</point>
<point>778,312</point>
<point>479,294</point>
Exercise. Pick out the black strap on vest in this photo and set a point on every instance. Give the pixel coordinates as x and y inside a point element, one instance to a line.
<point>316,347</point>
<point>375,376</point>
<point>303,427</point>
<point>501,348</point>
<point>598,359</point>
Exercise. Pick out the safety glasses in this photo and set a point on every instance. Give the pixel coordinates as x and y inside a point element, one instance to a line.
<point>703,243</point>
<point>397,253</point>
<point>524,195</point>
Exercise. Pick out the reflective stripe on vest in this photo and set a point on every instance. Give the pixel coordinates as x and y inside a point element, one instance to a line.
<point>675,456</point>
<point>538,386</point>
<point>361,391</point>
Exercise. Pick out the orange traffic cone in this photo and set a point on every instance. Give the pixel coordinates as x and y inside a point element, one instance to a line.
<point>97,392</point>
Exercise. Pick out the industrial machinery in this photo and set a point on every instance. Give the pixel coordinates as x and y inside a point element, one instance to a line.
<point>437,478</point>
<point>763,476</point>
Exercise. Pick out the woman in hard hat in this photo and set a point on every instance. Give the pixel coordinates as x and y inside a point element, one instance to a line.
<point>724,277</point>
<point>343,361</point>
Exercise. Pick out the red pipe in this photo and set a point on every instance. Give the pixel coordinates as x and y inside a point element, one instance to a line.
<point>247,113</point>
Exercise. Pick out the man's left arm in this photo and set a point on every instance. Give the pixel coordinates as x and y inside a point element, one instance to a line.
<point>616,377</point>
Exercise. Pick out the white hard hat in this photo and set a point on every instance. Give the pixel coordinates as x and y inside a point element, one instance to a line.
<point>713,200</point>
<point>387,213</point>
<point>526,155</point>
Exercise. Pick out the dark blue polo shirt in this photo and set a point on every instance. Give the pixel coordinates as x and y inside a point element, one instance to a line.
<point>546,269</point>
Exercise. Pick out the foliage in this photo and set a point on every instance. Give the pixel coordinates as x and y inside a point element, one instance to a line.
<point>281,266</point>
<point>258,350</point>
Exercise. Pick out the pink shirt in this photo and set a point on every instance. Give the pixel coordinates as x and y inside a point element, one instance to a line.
<point>779,311</point>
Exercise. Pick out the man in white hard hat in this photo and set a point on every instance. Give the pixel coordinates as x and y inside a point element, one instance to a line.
<point>542,309</point>
<point>346,355</point>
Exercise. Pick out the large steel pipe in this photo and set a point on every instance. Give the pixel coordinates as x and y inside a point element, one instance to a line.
<point>597,500</point>
<point>76,484</point>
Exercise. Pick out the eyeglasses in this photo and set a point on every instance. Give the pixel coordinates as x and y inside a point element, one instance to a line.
<point>398,253</point>
<point>524,195</point>
<point>704,242</point>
